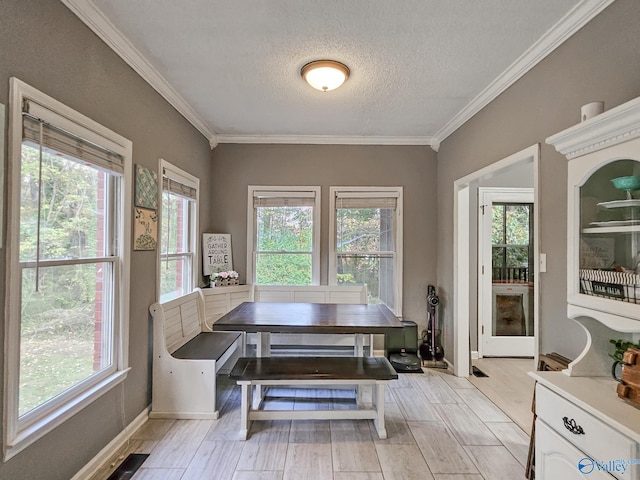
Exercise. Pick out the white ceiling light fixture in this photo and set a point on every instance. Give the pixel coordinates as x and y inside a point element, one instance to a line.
<point>325,75</point>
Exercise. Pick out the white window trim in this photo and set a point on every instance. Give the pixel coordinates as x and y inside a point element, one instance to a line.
<point>18,435</point>
<point>251,228</point>
<point>371,192</point>
<point>191,181</point>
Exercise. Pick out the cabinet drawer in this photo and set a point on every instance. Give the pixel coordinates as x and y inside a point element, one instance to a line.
<point>590,435</point>
<point>557,459</point>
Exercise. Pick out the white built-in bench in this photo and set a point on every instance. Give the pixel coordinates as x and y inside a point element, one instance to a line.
<point>187,355</point>
<point>220,300</point>
<point>250,372</point>
<point>311,294</point>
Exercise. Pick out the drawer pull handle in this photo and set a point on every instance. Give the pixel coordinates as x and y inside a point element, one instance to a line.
<point>572,426</point>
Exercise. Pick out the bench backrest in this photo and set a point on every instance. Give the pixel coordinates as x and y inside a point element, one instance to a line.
<point>221,300</point>
<point>179,320</point>
<point>311,294</point>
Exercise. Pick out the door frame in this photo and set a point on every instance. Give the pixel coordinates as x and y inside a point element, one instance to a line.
<point>461,257</point>
<point>485,286</point>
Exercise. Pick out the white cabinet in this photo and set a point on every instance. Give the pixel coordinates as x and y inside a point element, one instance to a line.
<point>556,458</point>
<point>603,231</point>
<point>583,430</point>
<point>580,427</point>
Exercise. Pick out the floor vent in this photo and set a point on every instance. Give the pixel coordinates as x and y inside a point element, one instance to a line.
<point>478,373</point>
<point>129,467</point>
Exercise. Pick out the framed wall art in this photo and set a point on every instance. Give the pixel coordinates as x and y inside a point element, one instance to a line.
<point>145,229</point>
<point>146,195</point>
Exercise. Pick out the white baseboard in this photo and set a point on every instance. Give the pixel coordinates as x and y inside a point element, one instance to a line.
<point>91,468</point>
<point>450,368</point>
<point>474,355</point>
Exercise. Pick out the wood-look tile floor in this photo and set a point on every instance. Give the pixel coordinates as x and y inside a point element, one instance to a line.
<point>439,428</point>
<point>509,386</point>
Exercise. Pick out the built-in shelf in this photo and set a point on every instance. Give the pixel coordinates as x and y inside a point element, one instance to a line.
<point>614,227</point>
<point>634,202</point>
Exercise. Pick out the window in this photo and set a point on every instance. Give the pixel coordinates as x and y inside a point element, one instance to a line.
<point>68,261</point>
<point>512,249</point>
<point>366,241</point>
<point>283,232</point>
<point>178,230</point>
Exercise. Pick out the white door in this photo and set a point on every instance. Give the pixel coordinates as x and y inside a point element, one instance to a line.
<point>506,281</point>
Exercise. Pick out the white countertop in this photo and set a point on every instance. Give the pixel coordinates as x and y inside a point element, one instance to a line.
<point>596,395</point>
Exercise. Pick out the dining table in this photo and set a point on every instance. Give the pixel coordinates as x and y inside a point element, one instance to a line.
<point>265,318</point>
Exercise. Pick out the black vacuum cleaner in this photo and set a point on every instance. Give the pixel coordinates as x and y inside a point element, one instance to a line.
<point>401,348</point>
<point>431,350</point>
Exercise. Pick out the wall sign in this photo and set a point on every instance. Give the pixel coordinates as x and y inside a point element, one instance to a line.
<point>216,253</point>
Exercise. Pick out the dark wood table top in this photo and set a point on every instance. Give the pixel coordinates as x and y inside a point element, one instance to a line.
<point>308,318</point>
<point>313,368</point>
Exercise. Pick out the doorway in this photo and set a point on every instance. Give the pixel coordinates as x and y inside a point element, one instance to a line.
<point>505,272</point>
<point>465,252</point>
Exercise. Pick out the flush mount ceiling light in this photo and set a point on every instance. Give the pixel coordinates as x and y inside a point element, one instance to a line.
<point>325,75</point>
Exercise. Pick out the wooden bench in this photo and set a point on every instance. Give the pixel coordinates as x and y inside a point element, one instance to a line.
<point>251,372</point>
<point>187,356</point>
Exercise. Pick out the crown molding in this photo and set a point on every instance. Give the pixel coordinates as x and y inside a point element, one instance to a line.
<point>324,140</point>
<point>575,19</point>
<point>582,13</point>
<point>91,16</point>
<point>620,124</point>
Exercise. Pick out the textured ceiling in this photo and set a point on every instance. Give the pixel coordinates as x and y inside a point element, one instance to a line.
<point>419,68</point>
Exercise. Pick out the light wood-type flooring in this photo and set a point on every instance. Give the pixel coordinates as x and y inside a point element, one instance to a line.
<point>508,386</point>
<point>439,427</point>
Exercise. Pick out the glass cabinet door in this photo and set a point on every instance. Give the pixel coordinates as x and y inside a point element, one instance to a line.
<point>609,258</point>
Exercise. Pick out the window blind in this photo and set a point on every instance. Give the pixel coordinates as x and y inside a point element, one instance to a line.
<point>56,140</point>
<point>366,199</point>
<point>178,188</point>
<point>283,199</point>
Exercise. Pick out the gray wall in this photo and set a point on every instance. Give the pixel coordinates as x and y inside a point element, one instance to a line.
<point>45,45</point>
<point>414,168</point>
<point>600,62</point>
